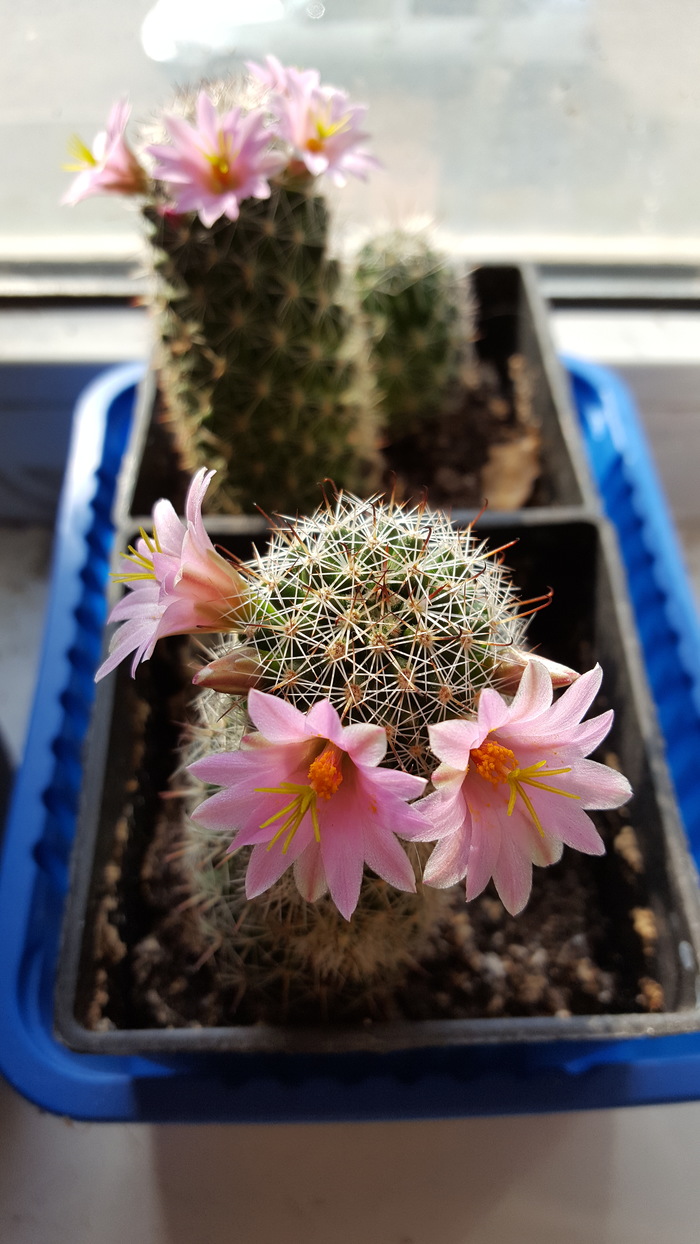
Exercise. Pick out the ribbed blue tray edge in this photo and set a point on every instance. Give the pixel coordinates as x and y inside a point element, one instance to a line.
<point>220,1088</point>
<point>665,608</point>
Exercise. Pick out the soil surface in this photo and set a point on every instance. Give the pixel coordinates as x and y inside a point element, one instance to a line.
<point>485,444</point>
<point>586,943</point>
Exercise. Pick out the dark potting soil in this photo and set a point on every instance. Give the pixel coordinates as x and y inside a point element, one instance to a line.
<point>450,456</point>
<point>586,943</point>
<point>461,455</point>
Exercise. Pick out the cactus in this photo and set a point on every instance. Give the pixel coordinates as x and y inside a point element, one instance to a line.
<point>372,639</point>
<point>448,420</point>
<point>421,324</point>
<point>285,955</point>
<point>399,620</point>
<point>390,613</point>
<point>260,361</point>
<point>263,362</point>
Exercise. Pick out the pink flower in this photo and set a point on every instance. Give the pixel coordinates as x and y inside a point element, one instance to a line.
<point>275,76</point>
<point>178,583</point>
<point>111,167</point>
<point>213,166</point>
<point>323,129</point>
<point>307,791</point>
<point>514,784</point>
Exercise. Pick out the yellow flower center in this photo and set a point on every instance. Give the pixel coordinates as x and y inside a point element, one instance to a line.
<point>223,171</point>
<point>492,761</point>
<point>144,565</point>
<point>326,772</point>
<point>497,764</point>
<point>325,776</point>
<point>325,129</point>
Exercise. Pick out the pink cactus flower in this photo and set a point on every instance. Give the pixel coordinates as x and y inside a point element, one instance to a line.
<point>275,76</point>
<point>323,129</point>
<point>178,583</point>
<point>213,166</point>
<point>514,784</point>
<point>307,791</point>
<point>111,167</point>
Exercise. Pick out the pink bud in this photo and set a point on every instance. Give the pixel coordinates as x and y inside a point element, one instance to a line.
<point>234,674</point>
<point>511,668</point>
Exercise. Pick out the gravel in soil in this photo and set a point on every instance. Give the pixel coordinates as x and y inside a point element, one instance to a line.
<point>586,944</point>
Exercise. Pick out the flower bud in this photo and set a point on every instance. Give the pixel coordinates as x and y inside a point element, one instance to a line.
<point>233,674</point>
<point>510,669</point>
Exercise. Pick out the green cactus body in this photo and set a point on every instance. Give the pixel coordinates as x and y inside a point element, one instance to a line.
<point>393,615</point>
<point>399,620</point>
<point>420,323</point>
<point>260,366</point>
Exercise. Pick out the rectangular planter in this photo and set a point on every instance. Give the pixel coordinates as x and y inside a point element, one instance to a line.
<point>512,320</point>
<point>485,1079</point>
<point>590,619</point>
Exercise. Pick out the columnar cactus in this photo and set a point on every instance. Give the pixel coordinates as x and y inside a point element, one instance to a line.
<point>262,360</point>
<point>258,357</point>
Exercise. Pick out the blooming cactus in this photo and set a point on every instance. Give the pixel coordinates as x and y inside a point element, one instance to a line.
<point>178,583</point>
<point>323,129</point>
<point>213,166</point>
<point>307,791</point>
<point>513,786</point>
<point>111,166</point>
<point>359,635</point>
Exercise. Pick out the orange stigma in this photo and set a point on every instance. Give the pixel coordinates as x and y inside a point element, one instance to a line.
<point>492,761</point>
<point>326,771</point>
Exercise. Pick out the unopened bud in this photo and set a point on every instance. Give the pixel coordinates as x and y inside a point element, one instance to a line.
<point>234,674</point>
<point>510,669</point>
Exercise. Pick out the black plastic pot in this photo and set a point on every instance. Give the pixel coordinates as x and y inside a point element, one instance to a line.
<point>589,620</point>
<point>512,320</point>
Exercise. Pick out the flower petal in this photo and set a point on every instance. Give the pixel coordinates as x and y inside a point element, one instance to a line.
<point>566,820</point>
<point>597,786</point>
<point>309,874</point>
<point>512,875</point>
<point>451,741</point>
<point>322,719</point>
<point>484,849</point>
<point>266,866</point>
<point>493,711</point>
<point>448,862</point>
<point>386,857</point>
<point>365,744</point>
<point>344,865</point>
<point>534,695</point>
<point>277,720</point>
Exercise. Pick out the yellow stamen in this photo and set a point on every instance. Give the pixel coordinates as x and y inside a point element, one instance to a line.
<point>294,812</point>
<point>497,764</point>
<point>518,778</point>
<point>81,153</point>
<point>223,166</point>
<point>144,563</point>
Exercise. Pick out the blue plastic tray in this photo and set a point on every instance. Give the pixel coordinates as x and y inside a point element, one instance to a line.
<point>482,1080</point>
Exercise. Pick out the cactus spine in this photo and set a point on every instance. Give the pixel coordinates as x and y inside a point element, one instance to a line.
<point>261,371</point>
<point>390,613</point>
<point>420,321</point>
<point>400,620</point>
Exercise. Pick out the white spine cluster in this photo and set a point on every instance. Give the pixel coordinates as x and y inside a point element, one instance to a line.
<point>390,613</point>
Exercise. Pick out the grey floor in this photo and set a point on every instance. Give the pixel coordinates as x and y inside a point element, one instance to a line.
<point>610,1177</point>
